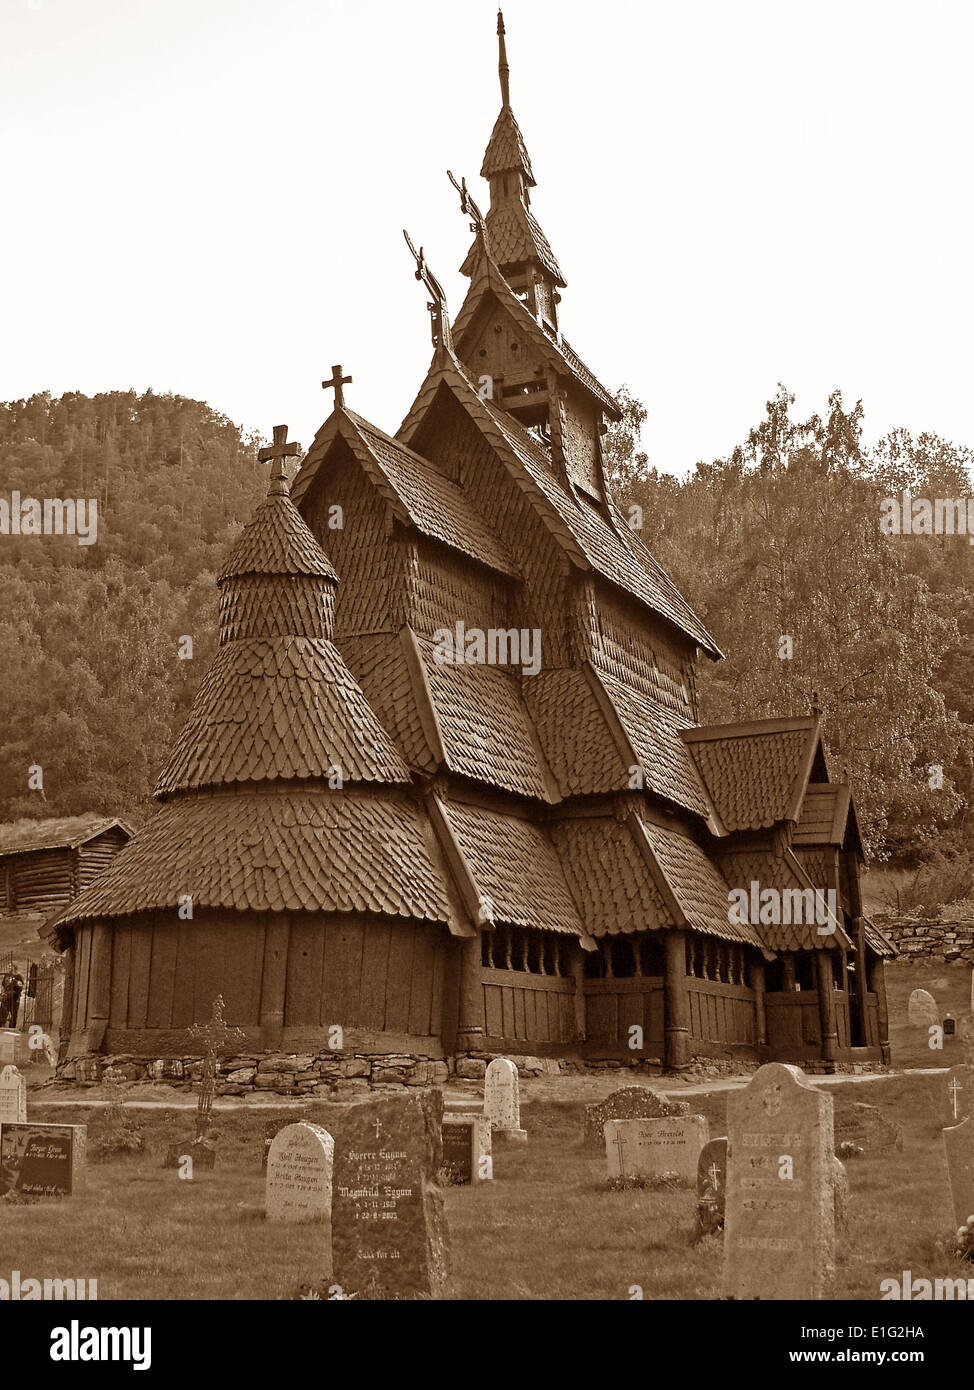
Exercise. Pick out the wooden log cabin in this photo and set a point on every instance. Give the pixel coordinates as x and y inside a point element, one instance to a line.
<point>381,816</point>
<point>44,864</point>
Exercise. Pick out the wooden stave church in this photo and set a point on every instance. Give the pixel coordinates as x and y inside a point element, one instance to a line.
<point>453,860</point>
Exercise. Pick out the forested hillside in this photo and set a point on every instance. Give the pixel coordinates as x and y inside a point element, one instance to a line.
<point>93,683</point>
<point>781,539</point>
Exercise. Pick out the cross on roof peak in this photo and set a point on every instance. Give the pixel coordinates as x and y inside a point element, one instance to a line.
<point>338,383</point>
<point>276,453</point>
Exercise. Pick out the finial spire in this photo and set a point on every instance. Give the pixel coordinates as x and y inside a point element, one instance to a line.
<point>439,316</point>
<point>502,68</point>
<point>275,454</point>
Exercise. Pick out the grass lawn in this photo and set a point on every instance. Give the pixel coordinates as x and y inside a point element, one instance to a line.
<point>950,985</point>
<point>546,1227</point>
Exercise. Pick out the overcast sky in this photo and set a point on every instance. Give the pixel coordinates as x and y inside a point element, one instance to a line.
<point>207,197</point>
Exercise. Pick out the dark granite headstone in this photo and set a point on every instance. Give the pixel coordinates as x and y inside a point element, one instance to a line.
<point>631,1103</point>
<point>43,1160</point>
<point>388,1229</point>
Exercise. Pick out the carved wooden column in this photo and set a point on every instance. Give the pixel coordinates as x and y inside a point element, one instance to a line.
<point>826,1006</point>
<point>99,987</point>
<point>471,1028</point>
<point>760,1010</point>
<point>676,1003</point>
<point>877,985</point>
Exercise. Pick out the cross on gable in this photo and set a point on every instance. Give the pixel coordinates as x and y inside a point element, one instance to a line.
<point>337,383</point>
<point>277,452</point>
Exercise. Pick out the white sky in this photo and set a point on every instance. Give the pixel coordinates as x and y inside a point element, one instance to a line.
<point>207,196</point>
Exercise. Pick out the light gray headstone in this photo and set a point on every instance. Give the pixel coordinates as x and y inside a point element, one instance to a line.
<point>649,1148</point>
<point>13,1097</point>
<point>922,1010</point>
<point>502,1105</point>
<point>779,1228</point>
<point>959,1145</point>
<point>300,1168</point>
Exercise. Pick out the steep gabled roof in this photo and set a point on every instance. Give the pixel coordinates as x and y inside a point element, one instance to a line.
<point>487,279</point>
<point>61,832</point>
<point>828,817</point>
<point>417,492</point>
<point>276,541</point>
<point>588,539</point>
<point>756,773</point>
<point>784,873</point>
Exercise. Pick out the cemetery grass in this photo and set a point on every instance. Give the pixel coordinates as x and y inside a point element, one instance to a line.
<point>546,1228</point>
<point>950,985</point>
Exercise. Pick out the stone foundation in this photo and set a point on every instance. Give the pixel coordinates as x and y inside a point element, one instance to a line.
<point>921,938</point>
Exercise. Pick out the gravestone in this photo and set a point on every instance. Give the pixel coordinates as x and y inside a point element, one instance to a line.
<point>299,1176</point>
<point>779,1227</point>
<point>14,1048</point>
<point>502,1105</point>
<point>388,1230</point>
<point>13,1097</point>
<point>43,1160</point>
<point>711,1185</point>
<point>959,1146</point>
<point>712,1171</point>
<point>467,1148</point>
<point>922,1009</point>
<point>959,1095</point>
<point>631,1103</point>
<point>649,1148</point>
<point>866,1126</point>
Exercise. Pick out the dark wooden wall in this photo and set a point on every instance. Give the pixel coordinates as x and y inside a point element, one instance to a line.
<point>286,979</point>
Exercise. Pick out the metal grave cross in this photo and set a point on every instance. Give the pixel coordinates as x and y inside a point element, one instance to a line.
<point>338,382</point>
<point>954,1088</point>
<point>277,452</point>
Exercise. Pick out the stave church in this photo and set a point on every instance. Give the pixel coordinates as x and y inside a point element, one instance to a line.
<point>444,785</point>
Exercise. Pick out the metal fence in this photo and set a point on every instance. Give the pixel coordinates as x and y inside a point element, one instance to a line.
<point>37,1000</point>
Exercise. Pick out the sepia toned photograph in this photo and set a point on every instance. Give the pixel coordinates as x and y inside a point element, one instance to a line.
<point>505,834</point>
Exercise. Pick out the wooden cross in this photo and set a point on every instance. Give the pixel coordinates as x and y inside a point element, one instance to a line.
<point>338,382</point>
<point>277,452</point>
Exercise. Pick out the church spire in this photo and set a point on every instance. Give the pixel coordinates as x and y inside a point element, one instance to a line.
<point>518,244</point>
<point>503,70</point>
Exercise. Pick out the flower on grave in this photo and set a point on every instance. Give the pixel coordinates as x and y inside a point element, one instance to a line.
<point>965,1240</point>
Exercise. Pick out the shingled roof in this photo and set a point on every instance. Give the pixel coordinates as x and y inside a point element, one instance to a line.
<point>506,151</point>
<point>61,832</point>
<point>272,853</point>
<point>756,773</point>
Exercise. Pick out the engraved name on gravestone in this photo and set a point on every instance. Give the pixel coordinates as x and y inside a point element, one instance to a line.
<point>43,1160</point>
<point>958,1094</point>
<point>467,1148</point>
<point>299,1177</point>
<point>388,1229</point>
<point>502,1103</point>
<point>779,1229</point>
<point>922,1009</point>
<point>959,1147</point>
<point>647,1148</point>
<point>631,1103</point>
<point>13,1097</point>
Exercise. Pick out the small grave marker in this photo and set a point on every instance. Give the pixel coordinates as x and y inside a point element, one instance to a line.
<point>43,1160</point>
<point>13,1097</point>
<point>649,1148</point>
<point>298,1185</point>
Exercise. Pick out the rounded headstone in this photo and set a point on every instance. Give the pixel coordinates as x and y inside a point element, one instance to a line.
<point>299,1174</point>
<point>502,1105</point>
<point>922,1011</point>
